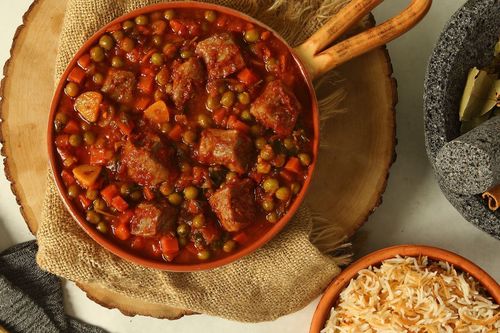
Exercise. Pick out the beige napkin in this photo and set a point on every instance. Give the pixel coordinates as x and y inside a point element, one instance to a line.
<point>278,279</point>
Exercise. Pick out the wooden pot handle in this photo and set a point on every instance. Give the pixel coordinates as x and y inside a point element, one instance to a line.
<point>318,62</point>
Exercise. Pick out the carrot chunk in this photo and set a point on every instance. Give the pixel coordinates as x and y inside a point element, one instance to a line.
<point>293,165</point>
<point>247,77</point>
<point>175,133</point>
<point>169,244</point>
<point>145,84</point>
<point>84,61</point>
<point>109,193</point>
<point>76,75</point>
<point>71,127</point>
<point>119,203</point>
<point>121,232</point>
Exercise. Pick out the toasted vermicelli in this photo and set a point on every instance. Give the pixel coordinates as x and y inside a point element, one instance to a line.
<point>413,295</point>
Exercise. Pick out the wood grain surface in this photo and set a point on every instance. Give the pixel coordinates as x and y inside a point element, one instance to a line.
<point>351,175</point>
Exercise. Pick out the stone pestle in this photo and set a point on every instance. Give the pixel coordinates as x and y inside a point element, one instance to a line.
<point>470,164</point>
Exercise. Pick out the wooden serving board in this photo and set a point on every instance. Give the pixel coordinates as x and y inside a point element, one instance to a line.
<point>351,175</point>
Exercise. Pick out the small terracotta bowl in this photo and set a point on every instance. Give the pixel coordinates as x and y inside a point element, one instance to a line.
<point>331,294</point>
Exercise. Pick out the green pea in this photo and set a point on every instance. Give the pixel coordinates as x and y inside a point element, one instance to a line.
<point>244,98</point>
<point>75,140</point>
<point>190,192</point>
<point>271,65</point>
<point>185,54</point>
<point>157,59</point>
<point>289,143</point>
<point>141,20</point>
<point>252,35</point>
<point>102,227</point>
<point>157,40</point>
<point>213,102</point>
<point>268,204</point>
<point>168,88</point>
<point>183,241</point>
<point>256,130</point>
<point>73,191</point>
<point>162,77</point>
<point>166,189</point>
<point>239,87</point>
<point>305,159</point>
<point>93,217</point>
<point>169,14</point>
<point>246,116</point>
<point>97,54</point>
<point>118,35</point>
<point>98,79</point>
<point>204,120</point>
<point>85,126</point>
<point>106,42</point>
<point>169,50</point>
<point>175,199</point>
<point>186,167</point>
<point>263,167</point>
<point>270,185</point>
<point>128,25</point>
<point>89,138</point>
<point>260,142</point>
<point>267,153</point>
<point>183,230</point>
<point>91,194</point>
<point>272,217</point>
<point>136,195</point>
<point>127,44</point>
<point>210,16</point>
<point>283,193</point>
<point>203,255</point>
<point>72,89</point>
<point>126,189</point>
<point>199,221</point>
<point>227,99</point>
<point>229,246</point>
<point>158,95</point>
<point>61,118</point>
<point>189,137</point>
<point>99,204</point>
<point>231,175</point>
<point>295,187</point>
<point>117,62</point>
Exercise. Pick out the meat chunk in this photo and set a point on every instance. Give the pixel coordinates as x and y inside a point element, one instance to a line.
<point>230,148</point>
<point>148,161</point>
<point>234,204</point>
<point>150,220</point>
<point>276,108</point>
<point>186,77</point>
<point>221,55</point>
<point>120,85</point>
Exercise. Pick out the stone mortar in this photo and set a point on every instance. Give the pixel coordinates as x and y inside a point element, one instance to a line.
<point>466,41</point>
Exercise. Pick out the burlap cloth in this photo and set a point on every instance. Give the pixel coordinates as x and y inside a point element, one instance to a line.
<point>281,278</point>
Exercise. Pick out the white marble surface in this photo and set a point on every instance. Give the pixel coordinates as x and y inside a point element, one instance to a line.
<point>414,210</point>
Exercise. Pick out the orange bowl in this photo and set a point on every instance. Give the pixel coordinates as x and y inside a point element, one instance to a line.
<point>128,255</point>
<point>333,291</point>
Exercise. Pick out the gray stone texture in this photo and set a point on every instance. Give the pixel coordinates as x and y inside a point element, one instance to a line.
<point>466,41</point>
<point>470,164</point>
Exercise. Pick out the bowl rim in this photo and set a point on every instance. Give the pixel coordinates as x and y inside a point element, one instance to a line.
<point>152,263</point>
<point>322,312</point>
